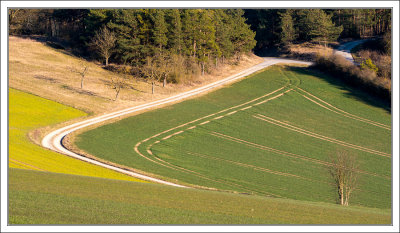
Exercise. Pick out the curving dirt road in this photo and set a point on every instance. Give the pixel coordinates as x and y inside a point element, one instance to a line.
<point>344,49</point>
<point>53,140</point>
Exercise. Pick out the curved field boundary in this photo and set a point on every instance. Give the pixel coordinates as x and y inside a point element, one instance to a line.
<point>315,135</point>
<point>150,157</point>
<point>53,140</point>
<point>339,111</point>
<point>208,116</point>
<point>159,137</point>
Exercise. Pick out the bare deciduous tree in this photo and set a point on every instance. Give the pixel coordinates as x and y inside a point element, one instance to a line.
<point>104,41</point>
<point>117,83</point>
<point>164,68</point>
<point>149,70</point>
<point>344,173</point>
<point>82,70</point>
<point>157,69</point>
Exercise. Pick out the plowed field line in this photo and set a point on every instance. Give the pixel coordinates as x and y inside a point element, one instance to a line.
<point>169,165</point>
<point>339,111</point>
<point>174,167</point>
<point>285,153</point>
<point>265,169</point>
<point>249,166</point>
<point>205,117</point>
<point>53,140</point>
<point>25,165</point>
<point>216,118</point>
<point>315,135</point>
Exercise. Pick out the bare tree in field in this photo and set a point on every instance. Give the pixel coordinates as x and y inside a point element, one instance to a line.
<point>164,68</point>
<point>104,41</point>
<point>117,83</point>
<point>344,173</point>
<point>82,70</point>
<point>150,72</point>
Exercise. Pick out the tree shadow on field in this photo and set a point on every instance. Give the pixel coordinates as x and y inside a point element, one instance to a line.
<point>60,45</point>
<point>127,86</point>
<point>350,91</point>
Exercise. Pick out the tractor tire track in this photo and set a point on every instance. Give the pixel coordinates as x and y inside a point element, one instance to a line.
<point>53,140</point>
<point>152,158</point>
<point>285,153</point>
<point>315,135</point>
<point>339,111</point>
<point>28,166</point>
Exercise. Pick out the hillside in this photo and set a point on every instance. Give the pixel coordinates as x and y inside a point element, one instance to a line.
<point>48,198</point>
<point>29,112</point>
<point>270,134</point>
<point>24,209</point>
<point>178,95</point>
<point>46,72</point>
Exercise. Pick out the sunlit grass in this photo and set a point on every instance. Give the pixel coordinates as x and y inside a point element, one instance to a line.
<point>48,198</point>
<point>28,112</point>
<point>198,157</point>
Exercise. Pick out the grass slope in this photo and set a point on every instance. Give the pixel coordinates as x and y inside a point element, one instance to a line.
<point>267,135</point>
<point>42,70</point>
<point>28,112</point>
<point>49,198</point>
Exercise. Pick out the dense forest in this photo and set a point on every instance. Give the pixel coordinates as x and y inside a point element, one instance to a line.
<point>277,27</point>
<point>173,44</point>
<point>158,44</point>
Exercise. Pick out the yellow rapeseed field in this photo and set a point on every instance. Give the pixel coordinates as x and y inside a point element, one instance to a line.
<point>28,112</point>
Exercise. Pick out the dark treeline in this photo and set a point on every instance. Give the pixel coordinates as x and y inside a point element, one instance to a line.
<point>159,44</point>
<point>174,45</point>
<point>278,27</point>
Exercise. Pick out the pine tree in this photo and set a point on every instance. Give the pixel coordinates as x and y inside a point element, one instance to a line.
<point>190,30</point>
<point>318,26</point>
<point>287,27</point>
<point>206,38</point>
<point>175,36</point>
<point>242,36</point>
<point>95,19</point>
<point>160,30</point>
<point>223,28</point>
<point>125,25</point>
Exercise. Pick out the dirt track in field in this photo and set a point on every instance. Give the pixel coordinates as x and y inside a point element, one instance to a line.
<point>54,139</point>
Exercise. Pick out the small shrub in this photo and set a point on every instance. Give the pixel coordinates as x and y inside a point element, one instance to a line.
<point>368,64</point>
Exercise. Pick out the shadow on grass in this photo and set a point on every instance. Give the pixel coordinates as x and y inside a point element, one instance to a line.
<point>351,91</point>
<point>61,46</point>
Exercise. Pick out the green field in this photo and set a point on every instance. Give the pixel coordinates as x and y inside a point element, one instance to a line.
<point>49,198</point>
<point>28,112</point>
<point>268,135</point>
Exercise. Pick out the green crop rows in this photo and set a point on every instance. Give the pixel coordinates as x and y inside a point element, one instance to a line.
<point>268,135</point>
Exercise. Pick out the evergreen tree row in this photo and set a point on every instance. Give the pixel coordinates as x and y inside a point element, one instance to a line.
<point>277,27</point>
<point>198,33</point>
<point>193,40</point>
